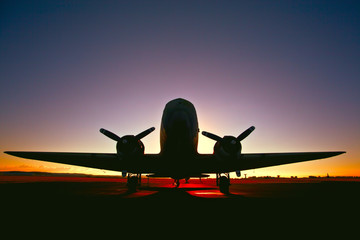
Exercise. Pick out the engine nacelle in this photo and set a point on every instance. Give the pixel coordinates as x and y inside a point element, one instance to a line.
<point>228,148</point>
<point>129,147</point>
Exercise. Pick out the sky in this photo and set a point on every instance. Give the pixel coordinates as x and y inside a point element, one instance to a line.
<point>290,68</point>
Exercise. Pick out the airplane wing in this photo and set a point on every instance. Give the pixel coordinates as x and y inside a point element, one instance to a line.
<point>106,161</point>
<point>152,163</point>
<point>258,160</point>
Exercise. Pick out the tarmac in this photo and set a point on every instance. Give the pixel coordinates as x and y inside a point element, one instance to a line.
<point>163,190</point>
<point>158,201</point>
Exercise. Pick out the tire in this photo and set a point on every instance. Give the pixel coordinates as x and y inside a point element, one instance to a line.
<point>132,183</point>
<point>224,185</point>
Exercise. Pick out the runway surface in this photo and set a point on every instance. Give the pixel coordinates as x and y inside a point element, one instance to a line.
<point>104,204</point>
<point>35,188</point>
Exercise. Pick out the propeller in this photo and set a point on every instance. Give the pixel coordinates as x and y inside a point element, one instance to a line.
<point>245,134</point>
<point>116,138</point>
<point>128,143</point>
<point>230,143</point>
<point>241,137</point>
<point>211,136</point>
<point>144,133</point>
<point>109,134</point>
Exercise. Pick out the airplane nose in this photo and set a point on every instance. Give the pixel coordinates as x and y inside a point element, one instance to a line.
<point>179,123</point>
<point>181,102</point>
<point>180,118</point>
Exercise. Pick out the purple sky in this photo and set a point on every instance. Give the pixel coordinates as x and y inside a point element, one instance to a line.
<point>290,68</point>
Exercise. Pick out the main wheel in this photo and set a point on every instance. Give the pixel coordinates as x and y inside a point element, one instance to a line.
<point>224,184</point>
<point>132,183</point>
<point>177,183</point>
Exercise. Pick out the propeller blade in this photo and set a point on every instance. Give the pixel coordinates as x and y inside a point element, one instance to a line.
<point>245,133</point>
<point>212,136</point>
<point>109,134</point>
<point>144,133</point>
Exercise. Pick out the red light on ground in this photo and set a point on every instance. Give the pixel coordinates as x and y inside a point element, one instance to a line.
<point>211,193</point>
<point>142,193</point>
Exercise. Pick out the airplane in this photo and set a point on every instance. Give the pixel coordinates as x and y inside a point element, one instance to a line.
<point>178,157</point>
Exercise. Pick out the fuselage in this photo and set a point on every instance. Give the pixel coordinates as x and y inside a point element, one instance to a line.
<point>179,130</point>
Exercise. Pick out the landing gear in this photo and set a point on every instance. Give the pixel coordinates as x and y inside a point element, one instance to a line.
<point>223,182</point>
<point>177,183</point>
<point>133,181</point>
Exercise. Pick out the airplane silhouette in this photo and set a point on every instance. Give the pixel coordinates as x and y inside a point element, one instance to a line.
<point>178,158</point>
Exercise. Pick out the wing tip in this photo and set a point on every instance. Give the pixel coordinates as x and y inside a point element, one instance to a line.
<point>333,154</point>
<point>340,152</point>
<point>21,154</point>
<point>12,153</point>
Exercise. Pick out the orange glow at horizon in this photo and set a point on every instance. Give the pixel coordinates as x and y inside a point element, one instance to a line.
<point>336,166</point>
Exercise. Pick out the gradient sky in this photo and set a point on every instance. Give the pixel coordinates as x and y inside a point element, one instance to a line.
<point>290,68</point>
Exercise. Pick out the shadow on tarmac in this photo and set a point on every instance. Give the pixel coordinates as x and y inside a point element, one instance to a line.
<point>162,206</point>
<point>188,198</point>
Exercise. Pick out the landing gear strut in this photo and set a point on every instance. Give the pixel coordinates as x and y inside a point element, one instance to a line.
<point>223,182</point>
<point>177,183</point>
